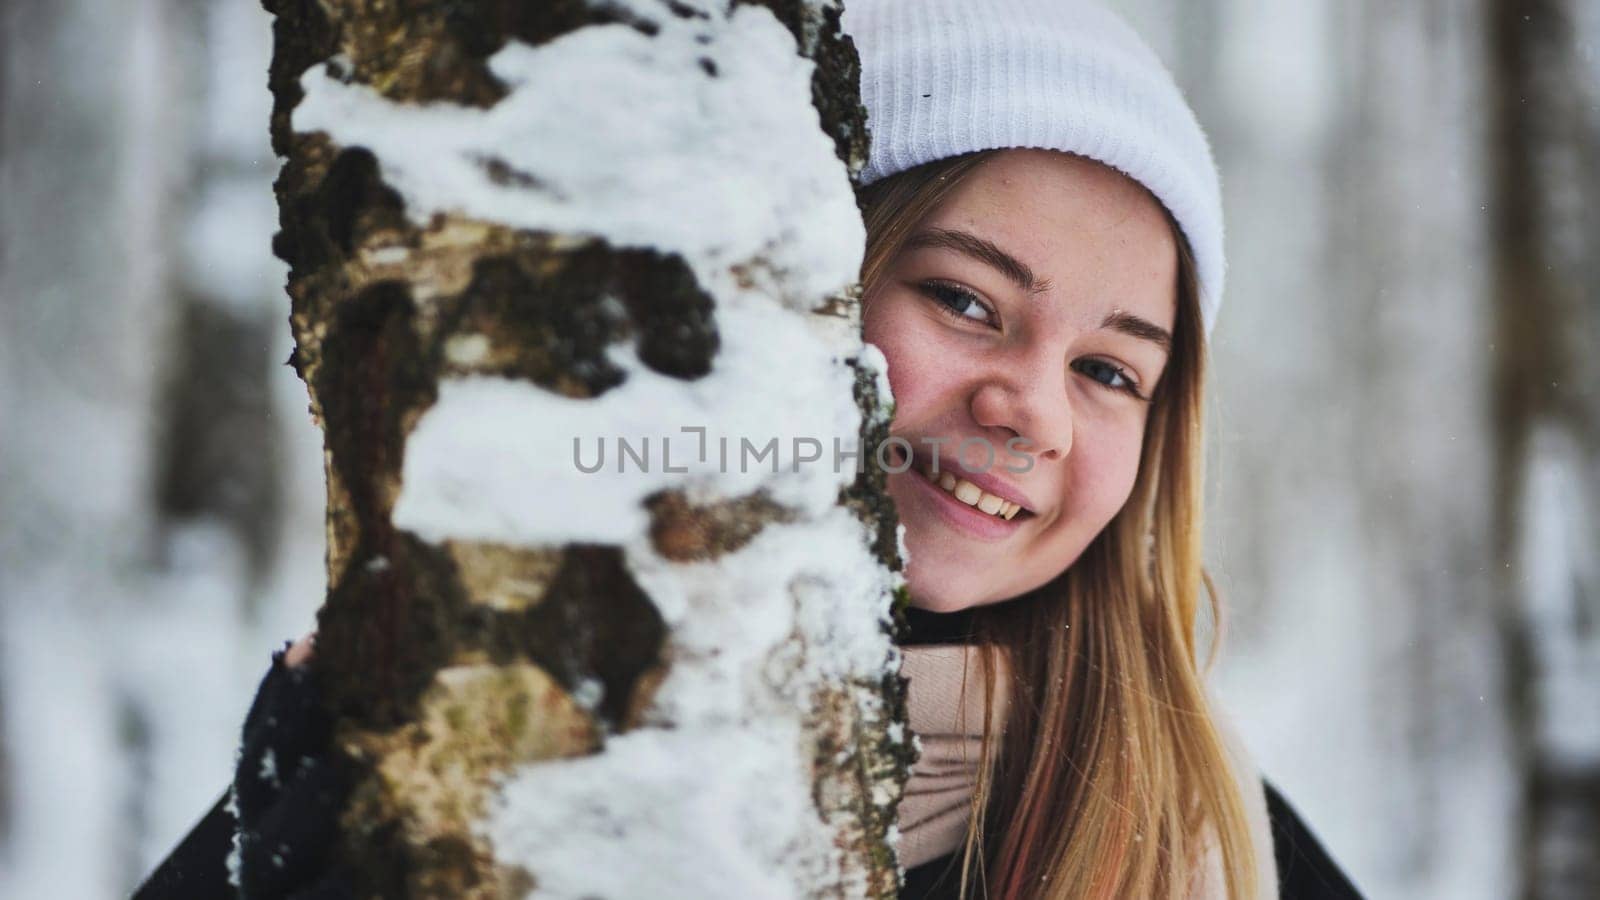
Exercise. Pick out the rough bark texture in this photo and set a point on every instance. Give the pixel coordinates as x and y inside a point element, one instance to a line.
<point>1547,416</point>
<point>451,663</point>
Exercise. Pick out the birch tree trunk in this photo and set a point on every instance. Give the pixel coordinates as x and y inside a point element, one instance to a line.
<point>516,231</point>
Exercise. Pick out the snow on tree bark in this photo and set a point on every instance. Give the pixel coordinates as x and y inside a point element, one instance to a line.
<point>513,229</point>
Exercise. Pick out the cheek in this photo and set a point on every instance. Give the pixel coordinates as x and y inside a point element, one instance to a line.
<point>914,375</point>
<point>1102,472</point>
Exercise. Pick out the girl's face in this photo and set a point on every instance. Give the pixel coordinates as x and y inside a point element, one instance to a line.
<point>1034,306</point>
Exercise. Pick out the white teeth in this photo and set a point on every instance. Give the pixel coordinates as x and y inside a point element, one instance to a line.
<point>967,492</point>
<point>972,495</point>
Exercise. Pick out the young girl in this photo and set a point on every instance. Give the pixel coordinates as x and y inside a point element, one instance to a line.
<point>1044,261</point>
<point>1060,296</point>
<point>1045,299</point>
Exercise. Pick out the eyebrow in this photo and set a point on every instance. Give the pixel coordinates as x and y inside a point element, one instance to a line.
<point>1017,271</point>
<point>981,250</point>
<point>1135,326</point>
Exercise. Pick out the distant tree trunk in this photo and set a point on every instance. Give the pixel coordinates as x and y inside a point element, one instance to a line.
<point>5,781</point>
<point>6,26</point>
<point>727,649</point>
<point>1547,414</point>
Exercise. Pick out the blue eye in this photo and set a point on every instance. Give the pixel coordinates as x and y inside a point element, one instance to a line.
<point>957,301</point>
<point>1108,375</point>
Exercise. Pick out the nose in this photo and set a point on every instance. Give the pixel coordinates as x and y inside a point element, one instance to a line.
<point>1027,400</point>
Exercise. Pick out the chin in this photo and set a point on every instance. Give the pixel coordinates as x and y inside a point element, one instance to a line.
<point>940,604</point>
<point>942,591</point>
<point>948,590</point>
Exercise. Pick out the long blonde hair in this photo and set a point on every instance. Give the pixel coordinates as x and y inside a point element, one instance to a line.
<point>1112,775</point>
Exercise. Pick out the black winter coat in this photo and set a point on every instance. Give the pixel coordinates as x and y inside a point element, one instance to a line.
<point>197,868</point>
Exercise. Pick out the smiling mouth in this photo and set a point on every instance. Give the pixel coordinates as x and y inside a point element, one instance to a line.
<point>965,491</point>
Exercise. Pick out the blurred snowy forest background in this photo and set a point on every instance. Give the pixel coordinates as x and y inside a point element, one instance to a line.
<point>1405,501</point>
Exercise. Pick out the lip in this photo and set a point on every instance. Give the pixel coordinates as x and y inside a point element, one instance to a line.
<point>986,481</point>
<point>968,520</point>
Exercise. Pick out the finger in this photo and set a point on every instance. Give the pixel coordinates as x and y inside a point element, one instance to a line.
<point>301,651</point>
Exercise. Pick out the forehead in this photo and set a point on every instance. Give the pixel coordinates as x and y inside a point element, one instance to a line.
<point>1095,234</point>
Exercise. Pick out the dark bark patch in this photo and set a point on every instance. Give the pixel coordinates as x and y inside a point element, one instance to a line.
<point>506,175</point>
<point>400,614</point>
<point>325,225</point>
<point>548,317</point>
<point>868,496</point>
<point>450,867</point>
<point>438,50</point>
<point>542,321</point>
<point>388,625</point>
<point>676,333</point>
<point>595,625</point>
<point>685,532</point>
<point>372,375</point>
<point>835,80</point>
<point>302,36</point>
<point>353,200</point>
<point>836,93</point>
<point>380,854</point>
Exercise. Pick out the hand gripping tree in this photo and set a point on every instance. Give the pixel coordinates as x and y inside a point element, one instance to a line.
<point>517,230</point>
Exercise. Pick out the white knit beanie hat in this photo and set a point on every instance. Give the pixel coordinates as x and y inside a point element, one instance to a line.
<point>940,78</point>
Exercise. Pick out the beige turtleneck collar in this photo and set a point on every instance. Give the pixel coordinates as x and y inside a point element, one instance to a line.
<point>938,798</point>
<point>944,703</point>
